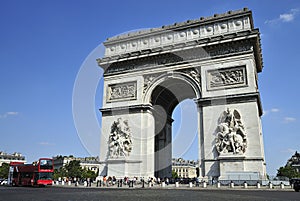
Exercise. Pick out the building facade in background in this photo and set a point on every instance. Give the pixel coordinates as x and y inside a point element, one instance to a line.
<point>15,157</point>
<point>185,168</point>
<point>294,161</point>
<point>89,163</point>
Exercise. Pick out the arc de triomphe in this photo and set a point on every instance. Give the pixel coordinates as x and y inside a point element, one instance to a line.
<point>215,61</point>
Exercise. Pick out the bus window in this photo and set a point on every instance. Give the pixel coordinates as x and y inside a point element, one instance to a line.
<point>46,164</point>
<point>45,175</point>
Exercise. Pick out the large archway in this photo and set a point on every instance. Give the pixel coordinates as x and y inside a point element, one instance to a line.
<point>164,98</point>
<point>215,62</point>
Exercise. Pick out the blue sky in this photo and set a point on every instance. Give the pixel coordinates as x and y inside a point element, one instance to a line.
<point>43,46</point>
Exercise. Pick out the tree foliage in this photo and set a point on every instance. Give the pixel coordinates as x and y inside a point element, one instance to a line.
<point>288,171</point>
<point>174,174</point>
<point>4,170</point>
<point>89,174</point>
<point>73,169</point>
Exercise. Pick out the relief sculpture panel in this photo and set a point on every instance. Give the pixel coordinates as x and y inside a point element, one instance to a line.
<point>226,78</point>
<point>122,91</point>
<point>230,133</point>
<point>120,143</point>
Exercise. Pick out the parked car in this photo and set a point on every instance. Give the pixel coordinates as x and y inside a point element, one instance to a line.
<point>296,184</point>
<point>4,182</point>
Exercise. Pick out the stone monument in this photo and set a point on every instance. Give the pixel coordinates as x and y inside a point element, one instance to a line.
<point>215,61</point>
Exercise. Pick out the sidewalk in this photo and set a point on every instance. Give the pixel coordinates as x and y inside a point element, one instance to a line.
<point>181,186</point>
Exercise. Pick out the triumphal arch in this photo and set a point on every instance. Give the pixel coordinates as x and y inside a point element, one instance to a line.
<point>215,61</point>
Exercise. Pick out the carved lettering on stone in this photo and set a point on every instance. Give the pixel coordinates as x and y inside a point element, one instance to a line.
<point>120,143</point>
<point>230,133</point>
<point>226,78</point>
<point>123,91</point>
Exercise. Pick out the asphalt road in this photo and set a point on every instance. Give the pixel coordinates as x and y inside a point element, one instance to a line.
<point>103,194</point>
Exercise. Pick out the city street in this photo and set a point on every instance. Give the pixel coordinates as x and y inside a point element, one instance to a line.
<point>93,194</point>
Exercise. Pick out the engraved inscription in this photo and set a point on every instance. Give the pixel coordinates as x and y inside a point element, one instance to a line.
<point>226,78</point>
<point>123,91</point>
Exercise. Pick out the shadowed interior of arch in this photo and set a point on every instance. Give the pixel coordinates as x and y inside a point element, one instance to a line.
<point>166,97</point>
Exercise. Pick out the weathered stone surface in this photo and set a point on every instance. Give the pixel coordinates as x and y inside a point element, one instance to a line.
<point>214,61</point>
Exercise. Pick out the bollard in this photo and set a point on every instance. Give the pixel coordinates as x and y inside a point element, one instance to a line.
<point>163,184</point>
<point>204,184</point>
<point>69,183</point>
<point>270,185</point>
<point>218,184</point>
<point>258,185</point>
<point>176,184</point>
<point>190,184</point>
<point>231,184</point>
<point>245,185</point>
<point>62,182</point>
<point>281,185</point>
<point>85,183</point>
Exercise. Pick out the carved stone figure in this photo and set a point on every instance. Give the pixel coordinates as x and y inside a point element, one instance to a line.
<point>148,80</point>
<point>119,142</point>
<point>193,73</point>
<point>231,136</point>
<point>122,91</point>
<point>228,77</point>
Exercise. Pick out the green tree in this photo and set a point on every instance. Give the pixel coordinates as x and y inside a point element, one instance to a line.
<point>4,170</point>
<point>288,171</point>
<point>61,172</point>
<point>89,174</point>
<point>73,169</point>
<point>174,174</point>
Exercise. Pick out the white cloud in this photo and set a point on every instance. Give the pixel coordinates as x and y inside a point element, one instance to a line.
<point>274,110</point>
<point>5,115</point>
<point>46,144</point>
<point>285,17</point>
<point>289,119</point>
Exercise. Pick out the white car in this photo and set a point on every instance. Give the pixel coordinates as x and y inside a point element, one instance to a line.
<point>4,182</point>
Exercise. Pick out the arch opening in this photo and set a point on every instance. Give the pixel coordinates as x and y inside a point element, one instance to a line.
<point>164,98</point>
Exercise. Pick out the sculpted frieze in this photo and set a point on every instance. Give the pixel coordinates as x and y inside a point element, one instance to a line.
<point>226,78</point>
<point>183,56</point>
<point>192,72</point>
<point>122,91</point>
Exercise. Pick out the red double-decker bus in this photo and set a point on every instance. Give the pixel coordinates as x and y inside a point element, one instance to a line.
<point>37,174</point>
